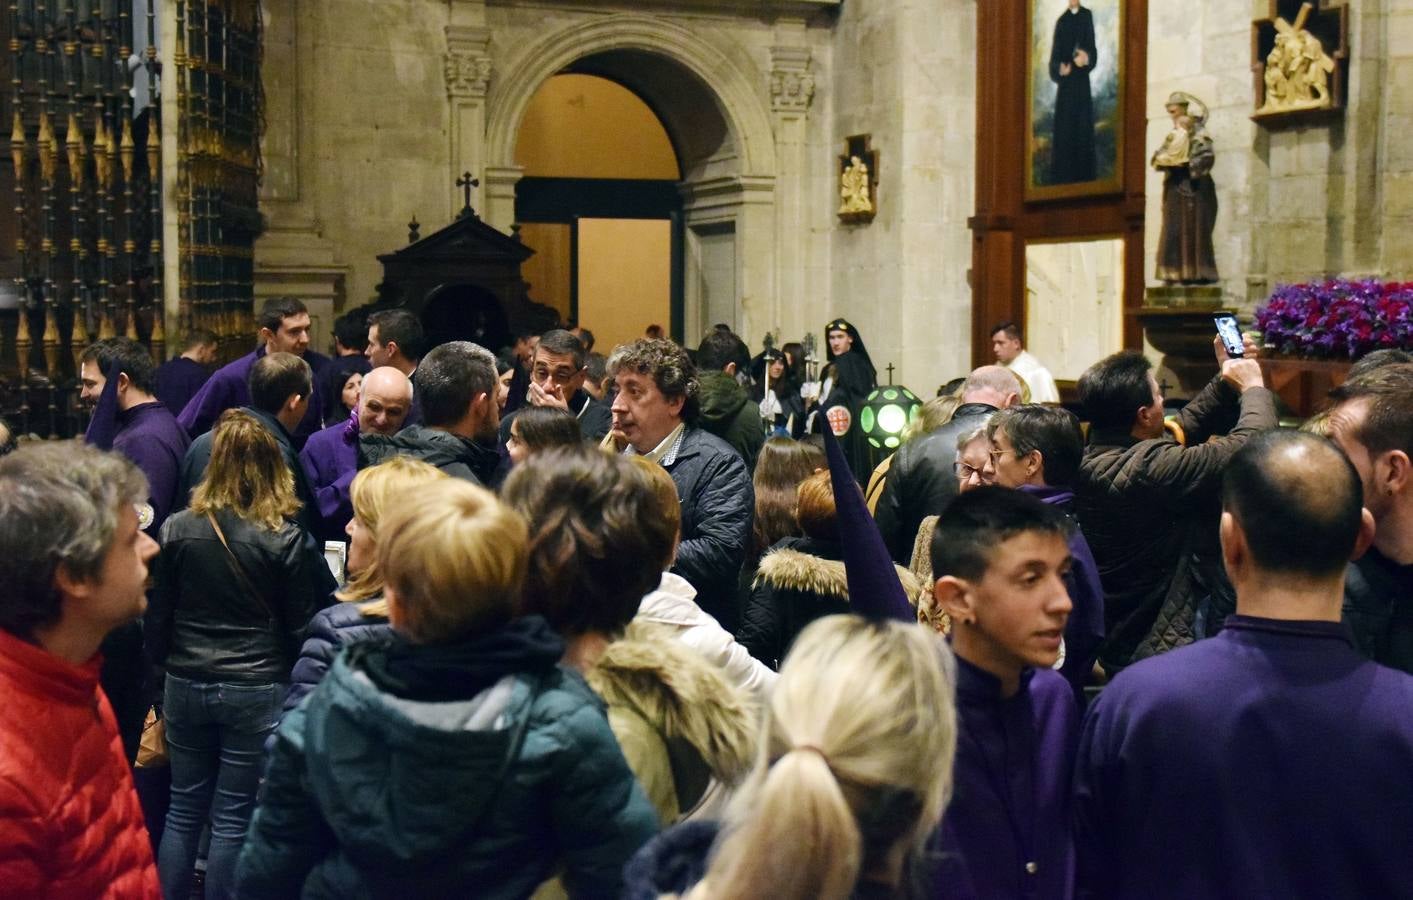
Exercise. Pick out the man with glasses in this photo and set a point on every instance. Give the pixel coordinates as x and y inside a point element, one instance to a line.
<point>557,373</point>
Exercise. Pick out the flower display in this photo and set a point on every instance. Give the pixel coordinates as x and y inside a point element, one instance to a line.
<point>1337,319</point>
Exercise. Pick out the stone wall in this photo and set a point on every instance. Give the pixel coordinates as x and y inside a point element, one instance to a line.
<point>1299,202</point>
<point>905,73</point>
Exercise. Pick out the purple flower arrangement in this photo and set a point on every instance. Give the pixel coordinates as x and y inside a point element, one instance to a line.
<point>1337,319</point>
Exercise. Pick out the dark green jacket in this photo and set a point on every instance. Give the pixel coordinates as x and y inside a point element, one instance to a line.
<point>729,413</point>
<point>372,795</point>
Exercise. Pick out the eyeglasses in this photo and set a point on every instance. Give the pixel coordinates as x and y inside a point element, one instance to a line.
<point>965,471</point>
<point>997,454</point>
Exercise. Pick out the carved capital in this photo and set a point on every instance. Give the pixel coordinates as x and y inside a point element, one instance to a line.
<point>791,83</point>
<point>467,65</point>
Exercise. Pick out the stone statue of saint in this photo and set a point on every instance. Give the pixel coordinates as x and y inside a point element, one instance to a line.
<point>1185,253</point>
<point>853,188</point>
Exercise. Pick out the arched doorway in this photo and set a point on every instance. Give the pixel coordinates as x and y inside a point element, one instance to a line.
<point>721,133</point>
<point>599,206</point>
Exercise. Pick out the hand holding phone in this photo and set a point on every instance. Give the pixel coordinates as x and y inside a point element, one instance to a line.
<point>1230,333</point>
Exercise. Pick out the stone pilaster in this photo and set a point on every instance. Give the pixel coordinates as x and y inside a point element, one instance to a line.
<point>792,86</point>
<point>467,69</point>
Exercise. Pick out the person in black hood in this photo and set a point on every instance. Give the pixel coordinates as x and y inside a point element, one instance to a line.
<point>456,387</point>
<point>726,407</point>
<point>851,377</point>
<point>777,390</point>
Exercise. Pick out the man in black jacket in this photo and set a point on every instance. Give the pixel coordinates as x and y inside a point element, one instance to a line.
<point>654,415</point>
<point>456,387</point>
<point>1373,425</point>
<point>280,386</point>
<point>921,480</point>
<point>1149,501</point>
<point>557,373</point>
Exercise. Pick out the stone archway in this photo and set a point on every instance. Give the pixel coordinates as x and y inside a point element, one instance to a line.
<point>729,178</point>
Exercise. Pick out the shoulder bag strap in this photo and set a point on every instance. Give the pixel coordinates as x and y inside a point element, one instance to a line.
<point>240,572</point>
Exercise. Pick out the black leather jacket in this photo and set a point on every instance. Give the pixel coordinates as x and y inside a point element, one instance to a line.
<point>203,622</point>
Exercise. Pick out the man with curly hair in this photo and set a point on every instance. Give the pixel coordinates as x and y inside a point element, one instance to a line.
<point>655,415</point>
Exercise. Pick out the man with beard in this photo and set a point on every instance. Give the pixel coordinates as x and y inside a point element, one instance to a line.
<point>456,387</point>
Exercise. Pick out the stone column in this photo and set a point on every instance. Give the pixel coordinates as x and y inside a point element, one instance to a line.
<point>791,91</point>
<point>468,73</point>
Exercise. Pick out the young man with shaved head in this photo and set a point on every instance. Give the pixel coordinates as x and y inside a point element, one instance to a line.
<point>1272,759</point>
<point>330,459</point>
<point>922,480</point>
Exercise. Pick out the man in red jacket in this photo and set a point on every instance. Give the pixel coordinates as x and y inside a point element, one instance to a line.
<point>73,562</point>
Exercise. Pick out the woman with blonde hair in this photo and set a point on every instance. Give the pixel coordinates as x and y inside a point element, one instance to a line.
<point>850,781</point>
<point>235,583</point>
<point>363,614</point>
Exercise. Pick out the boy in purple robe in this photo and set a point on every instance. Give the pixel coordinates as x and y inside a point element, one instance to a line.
<point>1001,558</point>
<point>180,378</point>
<point>1271,760</point>
<point>284,328</point>
<point>145,431</point>
<point>330,458</point>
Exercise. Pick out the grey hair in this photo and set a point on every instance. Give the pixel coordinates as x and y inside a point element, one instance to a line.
<point>59,506</point>
<point>997,378</point>
<point>972,432</point>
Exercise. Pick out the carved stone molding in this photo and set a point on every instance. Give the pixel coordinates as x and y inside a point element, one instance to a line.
<point>791,83</point>
<point>467,65</point>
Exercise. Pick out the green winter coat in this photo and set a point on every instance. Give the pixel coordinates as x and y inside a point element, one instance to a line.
<point>730,414</point>
<point>372,795</point>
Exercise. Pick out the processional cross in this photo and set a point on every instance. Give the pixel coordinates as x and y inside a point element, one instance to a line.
<point>466,183</point>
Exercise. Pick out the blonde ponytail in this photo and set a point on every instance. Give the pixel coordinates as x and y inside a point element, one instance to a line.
<point>856,759</point>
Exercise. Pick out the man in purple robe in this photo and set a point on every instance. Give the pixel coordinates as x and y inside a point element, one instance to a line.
<point>1001,557</point>
<point>180,378</point>
<point>1273,759</point>
<point>284,328</point>
<point>1037,449</point>
<point>330,458</point>
<point>147,433</point>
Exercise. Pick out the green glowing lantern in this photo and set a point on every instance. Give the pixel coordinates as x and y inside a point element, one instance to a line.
<point>885,414</point>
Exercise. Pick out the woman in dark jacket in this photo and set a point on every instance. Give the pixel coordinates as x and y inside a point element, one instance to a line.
<point>802,578</point>
<point>363,614</point>
<point>235,583</point>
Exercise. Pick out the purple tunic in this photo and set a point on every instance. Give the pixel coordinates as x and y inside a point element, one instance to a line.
<point>1007,831</point>
<point>330,460</point>
<point>228,389</point>
<point>178,380</point>
<point>1085,630</point>
<point>149,436</point>
<point>1268,761</point>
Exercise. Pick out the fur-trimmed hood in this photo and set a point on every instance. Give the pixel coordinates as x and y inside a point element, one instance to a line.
<point>787,569</point>
<point>682,694</point>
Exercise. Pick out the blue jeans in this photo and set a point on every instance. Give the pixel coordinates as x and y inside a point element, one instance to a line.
<point>215,737</point>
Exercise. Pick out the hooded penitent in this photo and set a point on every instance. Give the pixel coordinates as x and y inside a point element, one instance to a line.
<point>854,378</point>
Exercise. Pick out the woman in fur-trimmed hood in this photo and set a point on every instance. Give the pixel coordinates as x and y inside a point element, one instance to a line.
<point>688,733</point>
<point>802,578</point>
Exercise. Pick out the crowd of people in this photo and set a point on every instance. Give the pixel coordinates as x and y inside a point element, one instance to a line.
<point>439,621</point>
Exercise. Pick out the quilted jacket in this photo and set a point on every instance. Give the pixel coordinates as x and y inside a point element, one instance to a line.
<point>70,823</point>
<point>718,505</point>
<point>1150,511</point>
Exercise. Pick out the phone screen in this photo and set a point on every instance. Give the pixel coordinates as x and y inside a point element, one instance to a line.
<point>1230,334</point>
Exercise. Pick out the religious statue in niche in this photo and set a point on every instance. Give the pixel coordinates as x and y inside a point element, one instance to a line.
<point>1185,253</point>
<point>858,181</point>
<point>853,188</point>
<point>1297,74</point>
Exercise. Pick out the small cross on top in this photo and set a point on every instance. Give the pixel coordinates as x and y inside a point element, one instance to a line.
<point>466,183</point>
